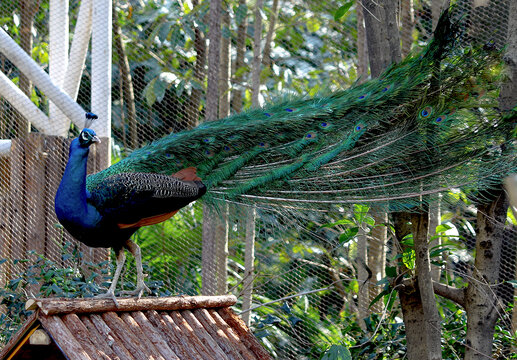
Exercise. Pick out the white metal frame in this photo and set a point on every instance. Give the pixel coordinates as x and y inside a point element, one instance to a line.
<point>66,68</point>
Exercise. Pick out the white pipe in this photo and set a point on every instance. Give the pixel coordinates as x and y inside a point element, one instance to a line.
<point>79,49</point>
<point>24,105</point>
<point>41,79</point>
<point>5,147</point>
<point>58,57</point>
<point>101,66</point>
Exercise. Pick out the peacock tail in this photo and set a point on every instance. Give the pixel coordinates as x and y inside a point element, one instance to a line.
<point>426,125</point>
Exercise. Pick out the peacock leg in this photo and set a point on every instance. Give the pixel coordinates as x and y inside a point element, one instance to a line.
<point>140,285</point>
<point>121,259</point>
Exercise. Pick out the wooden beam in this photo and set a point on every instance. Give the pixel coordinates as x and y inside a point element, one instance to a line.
<point>52,306</point>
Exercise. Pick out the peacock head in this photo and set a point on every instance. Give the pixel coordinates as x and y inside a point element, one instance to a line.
<point>88,137</point>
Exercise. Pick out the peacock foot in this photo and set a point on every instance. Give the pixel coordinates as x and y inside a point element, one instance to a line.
<point>138,292</point>
<point>110,295</point>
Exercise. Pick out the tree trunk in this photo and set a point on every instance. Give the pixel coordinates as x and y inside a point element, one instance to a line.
<point>362,275</point>
<point>407,17</point>
<point>392,35</point>
<point>409,295</point>
<point>256,67</point>
<point>127,82</point>
<point>240,46</point>
<point>28,10</point>
<point>266,57</point>
<point>214,50</point>
<point>420,224</point>
<point>434,221</point>
<point>377,256</point>
<point>375,35</point>
<point>249,260</point>
<point>211,221</point>
<point>508,98</point>
<point>362,53</point>
<point>192,108</point>
<point>481,302</point>
<point>224,80</point>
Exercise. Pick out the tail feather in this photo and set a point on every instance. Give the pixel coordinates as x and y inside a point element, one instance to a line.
<point>420,128</point>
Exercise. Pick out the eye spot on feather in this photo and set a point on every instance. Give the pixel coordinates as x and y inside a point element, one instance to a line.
<point>289,110</point>
<point>263,145</point>
<point>168,156</point>
<point>359,127</point>
<point>267,114</point>
<point>209,153</point>
<point>324,124</point>
<point>426,112</point>
<point>386,88</point>
<point>311,136</point>
<point>440,119</point>
<point>227,148</point>
<point>362,97</point>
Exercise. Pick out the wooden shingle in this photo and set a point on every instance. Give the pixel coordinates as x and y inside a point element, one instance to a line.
<point>186,327</point>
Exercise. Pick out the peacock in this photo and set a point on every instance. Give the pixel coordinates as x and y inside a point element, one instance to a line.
<point>426,125</point>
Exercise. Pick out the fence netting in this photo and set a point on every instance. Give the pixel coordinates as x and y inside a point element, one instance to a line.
<point>321,278</point>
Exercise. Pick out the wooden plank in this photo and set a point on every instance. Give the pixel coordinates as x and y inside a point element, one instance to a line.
<point>145,340</point>
<point>126,336</point>
<point>154,335</point>
<point>232,335</point>
<point>52,306</point>
<point>27,326</point>
<point>64,338</point>
<point>244,333</point>
<point>98,340</point>
<point>5,211</point>
<point>83,336</point>
<point>112,339</point>
<point>169,334</point>
<point>193,343</point>
<point>17,244</point>
<point>203,335</point>
<point>56,149</point>
<point>35,193</point>
<point>217,334</point>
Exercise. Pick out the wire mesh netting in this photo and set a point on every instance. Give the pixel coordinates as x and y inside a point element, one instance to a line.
<point>319,279</point>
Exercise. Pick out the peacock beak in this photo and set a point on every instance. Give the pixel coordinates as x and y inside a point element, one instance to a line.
<point>95,139</point>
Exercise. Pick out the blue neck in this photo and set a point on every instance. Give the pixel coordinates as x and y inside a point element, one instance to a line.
<point>71,196</point>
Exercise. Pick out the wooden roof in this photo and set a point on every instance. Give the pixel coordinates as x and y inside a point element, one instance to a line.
<point>193,327</point>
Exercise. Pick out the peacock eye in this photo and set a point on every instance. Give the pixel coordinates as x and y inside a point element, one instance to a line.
<point>84,136</point>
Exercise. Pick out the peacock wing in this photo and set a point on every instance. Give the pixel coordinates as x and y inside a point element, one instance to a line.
<point>139,199</point>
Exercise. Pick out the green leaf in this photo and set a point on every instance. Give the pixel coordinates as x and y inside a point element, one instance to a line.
<point>348,235</point>
<point>313,24</point>
<point>378,297</point>
<point>337,352</point>
<point>408,258</point>
<point>391,271</point>
<point>442,228</point>
<point>342,10</point>
<point>339,222</point>
<point>149,94</point>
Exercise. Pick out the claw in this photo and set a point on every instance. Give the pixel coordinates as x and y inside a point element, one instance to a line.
<point>109,294</point>
<point>138,292</point>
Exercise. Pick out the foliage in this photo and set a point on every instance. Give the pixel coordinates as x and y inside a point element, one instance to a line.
<point>38,276</point>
